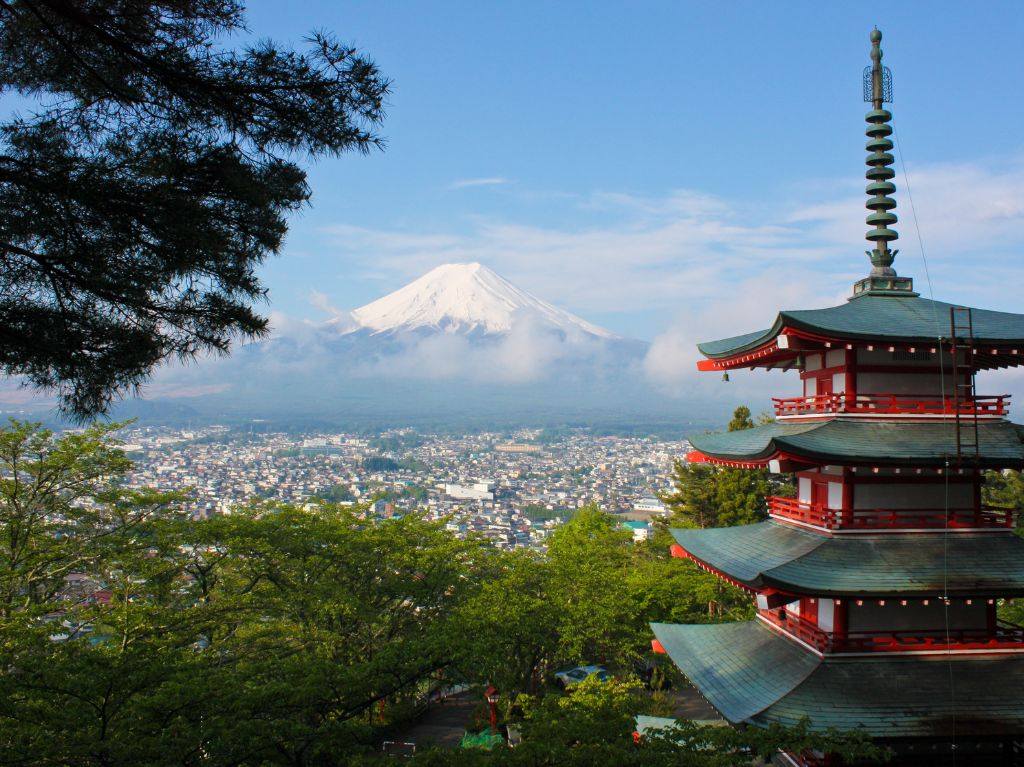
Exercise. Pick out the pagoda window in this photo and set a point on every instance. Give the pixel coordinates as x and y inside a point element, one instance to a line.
<point>902,358</point>
<point>906,384</point>
<point>826,373</point>
<point>870,616</point>
<point>835,358</point>
<point>803,489</point>
<point>920,495</point>
<point>821,488</point>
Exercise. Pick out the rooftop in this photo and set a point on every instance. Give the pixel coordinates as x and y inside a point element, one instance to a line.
<point>769,554</point>
<point>751,674</point>
<point>874,443</point>
<point>892,318</point>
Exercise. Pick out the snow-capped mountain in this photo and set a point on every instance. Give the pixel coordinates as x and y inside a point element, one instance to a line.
<point>460,340</point>
<point>465,299</point>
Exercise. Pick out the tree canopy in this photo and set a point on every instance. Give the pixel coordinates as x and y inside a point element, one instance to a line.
<point>151,175</point>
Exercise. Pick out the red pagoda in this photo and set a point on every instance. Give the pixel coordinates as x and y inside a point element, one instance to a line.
<point>877,586</point>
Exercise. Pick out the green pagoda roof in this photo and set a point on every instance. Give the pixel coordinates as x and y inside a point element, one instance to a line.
<point>769,554</point>
<point>752,674</point>
<point>871,317</point>
<point>876,443</point>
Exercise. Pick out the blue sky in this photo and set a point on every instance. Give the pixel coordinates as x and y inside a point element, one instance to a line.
<point>641,163</point>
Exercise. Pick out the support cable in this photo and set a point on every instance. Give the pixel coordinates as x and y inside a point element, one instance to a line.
<point>942,389</point>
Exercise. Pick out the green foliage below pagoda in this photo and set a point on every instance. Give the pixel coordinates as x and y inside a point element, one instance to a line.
<point>593,726</point>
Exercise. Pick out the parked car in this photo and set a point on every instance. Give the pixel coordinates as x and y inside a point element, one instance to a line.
<point>571,677</point>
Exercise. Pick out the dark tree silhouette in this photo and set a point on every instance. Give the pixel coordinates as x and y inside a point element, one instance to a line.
<point>152,175</point>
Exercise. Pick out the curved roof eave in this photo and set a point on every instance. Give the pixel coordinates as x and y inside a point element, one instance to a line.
<point>799,561</point>
<point>741,668</point>
<point>875,318</point>
<point>859,442</point>
<point>751,674</point>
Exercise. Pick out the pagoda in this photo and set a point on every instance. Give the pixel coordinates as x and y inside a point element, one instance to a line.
<point>877,586</point>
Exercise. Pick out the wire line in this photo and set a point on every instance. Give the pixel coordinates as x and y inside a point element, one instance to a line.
<point>942,389</point>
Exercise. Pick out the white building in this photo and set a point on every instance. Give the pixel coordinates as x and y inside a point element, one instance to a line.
<point>478,491</point>
<point>652,505</point>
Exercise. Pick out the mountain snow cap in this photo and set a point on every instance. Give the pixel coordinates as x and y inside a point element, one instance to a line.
<point>463,298</point>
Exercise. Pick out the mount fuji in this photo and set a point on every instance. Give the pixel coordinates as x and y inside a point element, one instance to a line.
<point>467,299</point>
<point>458,342</point>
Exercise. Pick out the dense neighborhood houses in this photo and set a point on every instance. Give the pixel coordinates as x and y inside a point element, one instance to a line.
<point>511,490</point>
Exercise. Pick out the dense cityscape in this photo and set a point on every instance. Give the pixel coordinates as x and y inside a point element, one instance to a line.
<point>511,488</point>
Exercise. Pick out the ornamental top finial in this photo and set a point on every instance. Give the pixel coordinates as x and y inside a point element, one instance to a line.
<point>878,90</point>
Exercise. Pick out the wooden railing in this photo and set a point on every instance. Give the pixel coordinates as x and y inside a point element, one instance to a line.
<point>1005,636</point>
<point>890,404</point>
<point>889,519</point>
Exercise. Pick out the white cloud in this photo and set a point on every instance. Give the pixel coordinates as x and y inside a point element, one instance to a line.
<point>671,361</point>
<point>653,254</point>
<point>721,269</point>
<point>321,301</point>
<point>465,183</point>
<point>526,354</point>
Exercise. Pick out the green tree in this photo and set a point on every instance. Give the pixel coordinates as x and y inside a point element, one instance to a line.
<point>335,494</point>
<point>130,634</point>
<point>348,617</point>
<point>61,510</point>
<point>741,419</point>
<point>510,626</point>
<point>1004,489</point>
<point>589,557</point>
<point>711,496</point>
<point>151,180</point>
<point>97,626</point>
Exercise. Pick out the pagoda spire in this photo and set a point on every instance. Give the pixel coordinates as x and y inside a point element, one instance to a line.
<point>880,188</point>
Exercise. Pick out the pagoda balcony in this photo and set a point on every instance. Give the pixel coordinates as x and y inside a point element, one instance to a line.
<point>920,405</point>
<point>1005,636</point>
<point>878,520</point>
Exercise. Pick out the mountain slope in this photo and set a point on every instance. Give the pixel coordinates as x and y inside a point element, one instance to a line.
<point>466,299</point>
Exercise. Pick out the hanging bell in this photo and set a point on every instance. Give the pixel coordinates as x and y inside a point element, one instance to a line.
<point>725,377</point>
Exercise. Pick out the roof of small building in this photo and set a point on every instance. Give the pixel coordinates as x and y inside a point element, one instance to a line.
<point>770,554</point>
<point>872,317</point>
<point>752,674</point>
<point>646,725</point>
<point>876,443</point>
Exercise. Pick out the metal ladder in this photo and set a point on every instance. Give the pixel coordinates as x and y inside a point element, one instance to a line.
<point>961,338</point>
